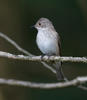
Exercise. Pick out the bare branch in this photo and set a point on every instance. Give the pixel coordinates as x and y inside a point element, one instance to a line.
<point>31,57</point>
<point>75,82</point>
<point>24,51</point>
<point>15,44</point>
<point>45,58</point>
<point>82,87</point>
<point>49,67</point>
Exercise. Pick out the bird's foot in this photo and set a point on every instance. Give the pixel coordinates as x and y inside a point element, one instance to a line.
<point>42,56</point>
<point>45,55</point>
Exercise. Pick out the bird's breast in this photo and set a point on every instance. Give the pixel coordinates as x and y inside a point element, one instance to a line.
<point>46,43</point>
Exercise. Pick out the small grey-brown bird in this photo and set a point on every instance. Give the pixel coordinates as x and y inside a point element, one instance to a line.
<point>48,41</point>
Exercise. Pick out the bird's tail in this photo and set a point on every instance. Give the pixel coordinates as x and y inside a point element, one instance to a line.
<point>59,73</point>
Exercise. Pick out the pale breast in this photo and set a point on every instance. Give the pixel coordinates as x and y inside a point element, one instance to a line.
<point>47,43</point>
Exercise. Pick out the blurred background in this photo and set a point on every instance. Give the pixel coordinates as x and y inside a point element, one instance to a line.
<point>70,20</point>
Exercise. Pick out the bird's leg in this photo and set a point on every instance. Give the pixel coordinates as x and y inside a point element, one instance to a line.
<point>45,55</point>
<point>50,56</point>
<point>42,56</point>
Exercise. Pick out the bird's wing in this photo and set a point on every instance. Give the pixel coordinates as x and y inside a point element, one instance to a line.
<point>59,43</point>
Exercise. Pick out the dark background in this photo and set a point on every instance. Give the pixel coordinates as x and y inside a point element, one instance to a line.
<point>70,20</point>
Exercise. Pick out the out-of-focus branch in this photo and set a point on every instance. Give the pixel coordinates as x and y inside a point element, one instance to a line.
<point>75,82</point>
<point>15,44</point>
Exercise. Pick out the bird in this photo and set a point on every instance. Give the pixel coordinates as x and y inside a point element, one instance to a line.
<point>48,41</point>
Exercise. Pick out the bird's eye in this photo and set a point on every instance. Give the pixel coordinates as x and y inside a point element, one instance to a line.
<point>39,23</point>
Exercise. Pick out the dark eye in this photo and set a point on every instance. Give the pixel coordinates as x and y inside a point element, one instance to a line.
<point>39,23</point>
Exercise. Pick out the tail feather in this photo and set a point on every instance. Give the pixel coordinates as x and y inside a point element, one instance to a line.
<point>59,73</point>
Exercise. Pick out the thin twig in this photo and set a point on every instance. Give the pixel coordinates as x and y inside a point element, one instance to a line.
<point>75,82</point>
<point>15,44</point>
<point>32,57</point>
<point>82,87</point>
<point>49,67</point>
<point>24,51</point>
